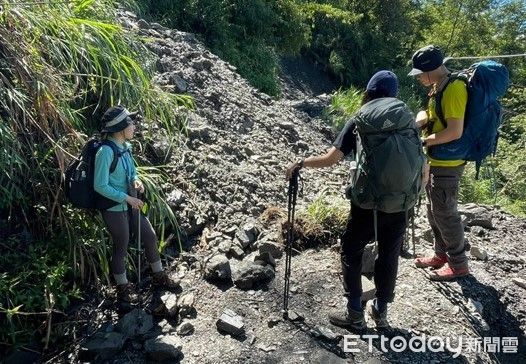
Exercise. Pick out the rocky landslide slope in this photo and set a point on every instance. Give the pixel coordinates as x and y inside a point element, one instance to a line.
<point>230,171</point>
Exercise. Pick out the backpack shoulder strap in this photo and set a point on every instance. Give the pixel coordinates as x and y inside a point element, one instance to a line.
<point>116,153</point>
<point>438,95</point>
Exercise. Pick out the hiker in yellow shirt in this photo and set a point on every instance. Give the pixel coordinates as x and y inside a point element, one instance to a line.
<point>449,260</point>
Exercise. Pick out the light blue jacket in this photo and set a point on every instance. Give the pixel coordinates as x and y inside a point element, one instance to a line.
<point>114,185</point>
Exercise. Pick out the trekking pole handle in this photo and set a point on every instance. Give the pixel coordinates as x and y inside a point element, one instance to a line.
<point>301,163</point>
<point>295,175</point>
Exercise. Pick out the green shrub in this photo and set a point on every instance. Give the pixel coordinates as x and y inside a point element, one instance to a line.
<point>36,280</point>
<point>259,65</point>
<point>343,105</point>
<point>354,39</point>
<point>328,211</point>
<point>322,222</point>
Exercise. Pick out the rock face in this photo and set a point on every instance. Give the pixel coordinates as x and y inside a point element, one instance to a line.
<point>239,140</point>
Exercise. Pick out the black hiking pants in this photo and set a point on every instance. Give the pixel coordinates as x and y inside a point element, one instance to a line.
<point>359,232</point>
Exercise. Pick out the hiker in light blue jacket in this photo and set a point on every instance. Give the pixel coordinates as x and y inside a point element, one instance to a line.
<point>122,186</point>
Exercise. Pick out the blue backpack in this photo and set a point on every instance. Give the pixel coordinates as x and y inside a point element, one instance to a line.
<point>486,81</point>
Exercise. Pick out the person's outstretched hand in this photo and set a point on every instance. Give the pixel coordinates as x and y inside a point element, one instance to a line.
<point>291,168</point>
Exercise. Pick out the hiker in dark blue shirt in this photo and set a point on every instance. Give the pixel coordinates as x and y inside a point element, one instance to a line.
<point>122,186</point>
<point>368,219</point>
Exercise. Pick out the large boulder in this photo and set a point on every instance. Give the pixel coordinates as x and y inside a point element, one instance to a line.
<point>163,348</point>
<point>103,345</point>
<point>250,275</point>
<point>218,269</point>
<point>134,323</point>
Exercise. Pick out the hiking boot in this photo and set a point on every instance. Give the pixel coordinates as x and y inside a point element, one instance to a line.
<point>349,319</point>
<point>379,318</point>
<point>448,273</point>
<point>165,280</point>
<point>436,261</point>
<point>126,293</point>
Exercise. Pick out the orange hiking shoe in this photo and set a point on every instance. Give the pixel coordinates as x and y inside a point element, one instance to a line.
<point>448,273</point>
<point>436,261</point>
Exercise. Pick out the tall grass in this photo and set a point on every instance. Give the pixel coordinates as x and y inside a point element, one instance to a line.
<point>61,70</point>
<point>61,66</point>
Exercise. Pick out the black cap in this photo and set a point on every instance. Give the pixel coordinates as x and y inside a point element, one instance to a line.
<point>117,118</point>
<point>426,59</point>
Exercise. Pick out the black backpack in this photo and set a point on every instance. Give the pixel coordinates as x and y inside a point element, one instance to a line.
<point>79,177</point>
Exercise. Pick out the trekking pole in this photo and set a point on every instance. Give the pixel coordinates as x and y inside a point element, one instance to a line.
<point>138,248</point>
<point>413,235</point>
<point>291,206</point>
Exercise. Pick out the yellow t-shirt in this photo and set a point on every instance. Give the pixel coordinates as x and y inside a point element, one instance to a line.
<point>454,100</point>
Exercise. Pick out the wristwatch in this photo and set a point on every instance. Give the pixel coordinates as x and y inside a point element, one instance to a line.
<point>424,143</point>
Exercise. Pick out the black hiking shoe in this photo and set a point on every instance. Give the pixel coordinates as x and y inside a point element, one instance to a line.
<point>379,318</point>
<point>126,294</point>
<point>349,319</point>
<point>165,280</point>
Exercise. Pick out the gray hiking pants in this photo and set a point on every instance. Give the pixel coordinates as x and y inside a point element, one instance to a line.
<point>121,224</point>
<point>444,218</point>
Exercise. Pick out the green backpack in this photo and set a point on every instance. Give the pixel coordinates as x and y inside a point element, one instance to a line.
<point>389,159</point>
